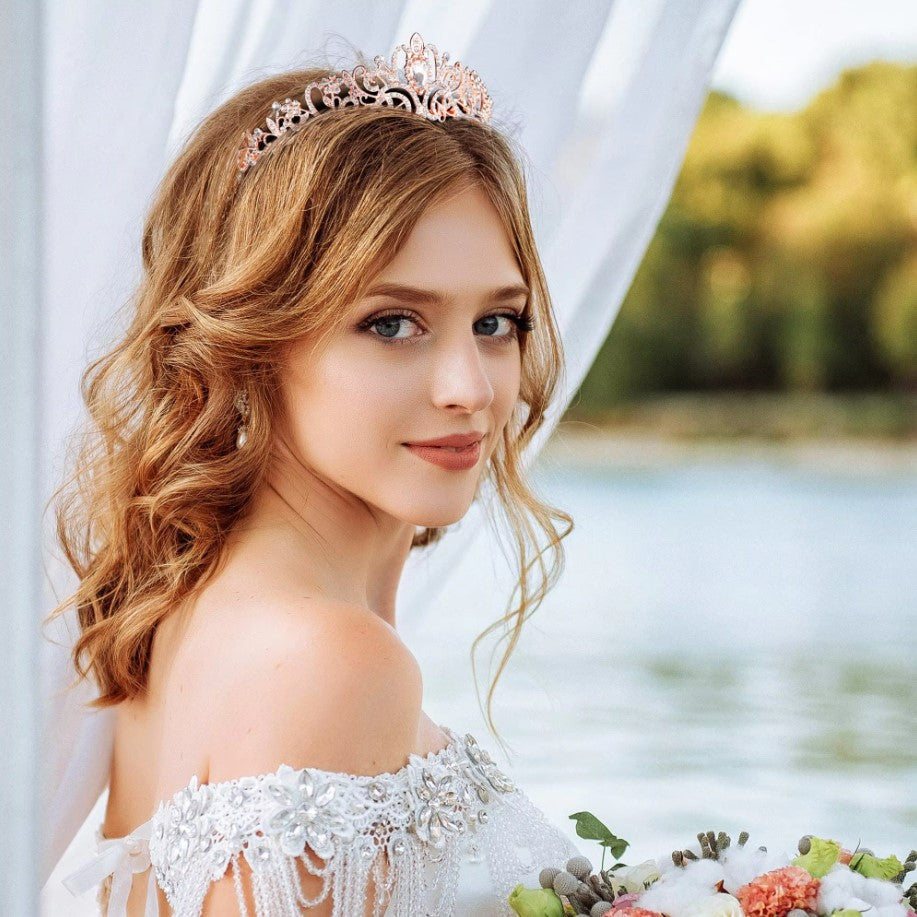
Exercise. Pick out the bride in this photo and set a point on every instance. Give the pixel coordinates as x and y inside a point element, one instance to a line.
<point>342,338</point>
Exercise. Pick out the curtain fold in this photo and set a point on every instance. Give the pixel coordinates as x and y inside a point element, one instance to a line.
<point>125,85</point>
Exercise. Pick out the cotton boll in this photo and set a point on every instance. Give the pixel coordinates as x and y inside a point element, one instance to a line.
<point>704,872</point>
<point>890,910</point>
<point>742,864</point>
<point>677,891</point>
<point>667,865</point>
<point>844,888</point>
<point>880,893</point>
<point>838,900</point>
<point>669,898</point>
<point>836,892</point>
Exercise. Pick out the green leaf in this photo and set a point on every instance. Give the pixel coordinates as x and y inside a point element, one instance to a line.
<point>591,829</point>
<point>874,868</point>
<point>821,857</point>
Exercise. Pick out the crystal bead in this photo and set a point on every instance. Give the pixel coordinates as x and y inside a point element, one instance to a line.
<point>438,799</point>
<point>325,795</point>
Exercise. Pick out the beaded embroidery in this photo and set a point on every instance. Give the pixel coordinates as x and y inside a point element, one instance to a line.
<point>429,812</point>
<point>427,817</point>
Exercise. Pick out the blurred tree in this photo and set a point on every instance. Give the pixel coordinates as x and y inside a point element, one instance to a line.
<point>894,316</point>
<point>787,257</point>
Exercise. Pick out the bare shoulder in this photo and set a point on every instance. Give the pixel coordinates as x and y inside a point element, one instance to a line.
<point>306,682</point>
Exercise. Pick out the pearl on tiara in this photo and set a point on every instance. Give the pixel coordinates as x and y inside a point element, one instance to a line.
<point>418,79</point>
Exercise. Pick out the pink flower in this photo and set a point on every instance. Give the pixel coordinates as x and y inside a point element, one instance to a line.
<point>776,893</point>
<point>632,912</point>
<point>623,901</point>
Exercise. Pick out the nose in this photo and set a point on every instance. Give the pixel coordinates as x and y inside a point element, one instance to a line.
<point>460,379</point>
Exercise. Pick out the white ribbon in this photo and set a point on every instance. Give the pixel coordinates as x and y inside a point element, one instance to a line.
<point>121,858</point>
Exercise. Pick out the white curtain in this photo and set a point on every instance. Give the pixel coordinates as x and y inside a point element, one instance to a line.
<point>20,420</point>
<point>125,84</point>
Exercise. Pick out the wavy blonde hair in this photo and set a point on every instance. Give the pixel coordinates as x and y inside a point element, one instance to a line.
<point>232,274</point>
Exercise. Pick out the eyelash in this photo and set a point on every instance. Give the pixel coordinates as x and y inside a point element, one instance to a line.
<point>523,325</point>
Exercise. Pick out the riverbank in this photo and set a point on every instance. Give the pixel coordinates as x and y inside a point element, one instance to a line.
<point>854,433</point>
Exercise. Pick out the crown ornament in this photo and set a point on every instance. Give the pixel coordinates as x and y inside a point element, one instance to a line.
<point>417,78</point>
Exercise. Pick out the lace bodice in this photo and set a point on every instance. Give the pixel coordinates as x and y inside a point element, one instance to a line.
<point>435,814</point>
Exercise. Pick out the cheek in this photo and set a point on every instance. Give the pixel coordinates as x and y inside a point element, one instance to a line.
<point>506,379</point>
<point>344,402</point>
<point>506,384</point>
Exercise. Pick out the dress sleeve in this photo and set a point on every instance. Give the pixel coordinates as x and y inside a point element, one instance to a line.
<point>112,870</point>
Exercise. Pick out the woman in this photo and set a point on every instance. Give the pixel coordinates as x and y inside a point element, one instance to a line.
<point>342,333</point>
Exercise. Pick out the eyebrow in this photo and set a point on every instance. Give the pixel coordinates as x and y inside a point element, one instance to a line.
<point>420,296</point>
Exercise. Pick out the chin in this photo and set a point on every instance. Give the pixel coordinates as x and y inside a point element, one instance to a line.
<point>440,517</point>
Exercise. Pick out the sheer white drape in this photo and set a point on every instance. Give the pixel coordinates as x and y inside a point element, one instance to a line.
<point>125,84</point>
<point>20,420</point>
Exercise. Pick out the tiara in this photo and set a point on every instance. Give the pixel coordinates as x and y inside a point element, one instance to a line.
<point>418,78</point>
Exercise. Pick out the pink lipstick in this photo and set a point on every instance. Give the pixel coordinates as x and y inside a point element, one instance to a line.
<point>458,452</point>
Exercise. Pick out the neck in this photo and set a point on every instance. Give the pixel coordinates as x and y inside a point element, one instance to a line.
<point>339,547</point>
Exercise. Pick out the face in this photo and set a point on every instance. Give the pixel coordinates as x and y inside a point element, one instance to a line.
<point>432,351</point>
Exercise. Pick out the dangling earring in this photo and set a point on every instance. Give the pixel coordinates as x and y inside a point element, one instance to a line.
<point>242,407</point>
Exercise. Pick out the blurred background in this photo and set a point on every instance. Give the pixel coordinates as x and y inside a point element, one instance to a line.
<point>733,644</point>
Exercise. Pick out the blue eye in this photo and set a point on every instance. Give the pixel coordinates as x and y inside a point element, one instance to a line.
<point>388,326</point>
<point>391,326</point>
<point>491,325</point>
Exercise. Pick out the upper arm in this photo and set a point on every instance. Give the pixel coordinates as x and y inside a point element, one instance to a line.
<point>332,688</point>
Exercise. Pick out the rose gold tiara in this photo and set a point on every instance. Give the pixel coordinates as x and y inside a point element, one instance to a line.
<point>418,79</point>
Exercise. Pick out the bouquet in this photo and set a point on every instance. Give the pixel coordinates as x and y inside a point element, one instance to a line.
<point>718,879</point>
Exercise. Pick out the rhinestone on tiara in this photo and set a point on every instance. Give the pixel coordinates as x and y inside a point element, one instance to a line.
<point>418,79</point>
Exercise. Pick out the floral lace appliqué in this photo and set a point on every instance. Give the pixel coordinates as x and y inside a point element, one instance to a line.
<point>426,818</point>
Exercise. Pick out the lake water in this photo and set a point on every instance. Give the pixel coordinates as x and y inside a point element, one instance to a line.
<point>733,645</point>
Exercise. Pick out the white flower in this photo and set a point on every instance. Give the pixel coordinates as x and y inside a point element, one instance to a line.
<point>637,878</point>
<point>717,905</point>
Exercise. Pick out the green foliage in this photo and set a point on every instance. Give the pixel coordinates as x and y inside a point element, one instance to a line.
<point>591,829</point>
<point>787,257</point>
<point>820,857</point>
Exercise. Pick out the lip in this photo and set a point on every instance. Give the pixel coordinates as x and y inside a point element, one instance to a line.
<point>459,452</point>
<point>457,440</point>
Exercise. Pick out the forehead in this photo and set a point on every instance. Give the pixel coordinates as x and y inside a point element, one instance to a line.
<point>459,244</point>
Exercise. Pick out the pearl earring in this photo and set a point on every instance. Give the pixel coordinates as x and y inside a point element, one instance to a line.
<point>242,407</point>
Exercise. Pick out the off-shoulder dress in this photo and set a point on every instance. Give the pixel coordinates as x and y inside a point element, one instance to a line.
<point>457,832</point>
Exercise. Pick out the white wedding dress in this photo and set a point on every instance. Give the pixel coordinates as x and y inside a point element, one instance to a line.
<point>458,834</point>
